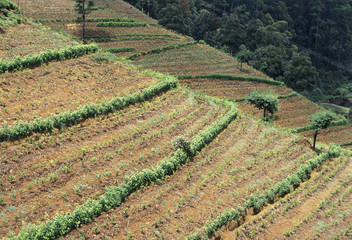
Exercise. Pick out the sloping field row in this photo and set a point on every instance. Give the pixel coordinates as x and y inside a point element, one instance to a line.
<point>65,86</point>
<point>139,45</point>
<point>108,32</point>
<point>293,112</point>
<point>231,89</point>
<point>24,39</point>
<point>247,157</point>
<point>123,9</point>
<point>40,9</point>
<point>338,135</point>
<point>319,209</point>
<point>64,9</point>
<point>194,60</point>
<point>48,174</point>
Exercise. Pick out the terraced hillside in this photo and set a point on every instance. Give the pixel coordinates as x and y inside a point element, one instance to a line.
<point>238,163</point>
<point>78,163</point>
<point>153,47</point>
<point>65,86</point>
<point>92,147</point>
<point>27,38</point>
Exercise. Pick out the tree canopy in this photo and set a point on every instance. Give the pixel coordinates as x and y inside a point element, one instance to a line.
<point>263,100</point>
<point>321,120</point>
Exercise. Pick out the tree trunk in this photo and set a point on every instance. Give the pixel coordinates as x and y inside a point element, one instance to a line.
<point>315,138</point>
<point>264,112</point>
<point>83,22</point>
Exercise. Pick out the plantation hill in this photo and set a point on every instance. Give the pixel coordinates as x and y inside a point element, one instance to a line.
<point>143,134</point>
<point>122,29</point>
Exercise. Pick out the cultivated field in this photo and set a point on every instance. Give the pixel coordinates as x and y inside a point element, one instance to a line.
<point>196,59</point>
<point>246,158</point>
<point>29,38</point>
<point>51,173</point>
<point>338,134</point>
<point>65,86</point>
<point>294,111</point>
<point>231,89</point>
<point>104,163</point>
<point>319,209</point>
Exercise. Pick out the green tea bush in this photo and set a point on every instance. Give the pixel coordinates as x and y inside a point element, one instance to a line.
<point>4,4</point>
<point>229,215</point>
<point>45,57</point>
<point>182,143</point>
<point>104,57</point>
<point>119,50</point>
<point>11,14</point>
<point>282,188</point>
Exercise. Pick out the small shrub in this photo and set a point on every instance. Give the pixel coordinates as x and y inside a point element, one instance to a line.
<point>295,180</point>
<point>283,188</point>
<point>263,100</point>
<point>182,143</point>
<point>104,57</point>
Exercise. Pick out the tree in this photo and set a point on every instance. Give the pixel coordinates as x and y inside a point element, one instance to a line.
<point>270,60</point>
<point>82,8</point>
<point>300,73</point>
<point>232,32</point>
<point>263,100</point>
<point>244,55</point>
<point>176,16</point>
<point>320,120</point>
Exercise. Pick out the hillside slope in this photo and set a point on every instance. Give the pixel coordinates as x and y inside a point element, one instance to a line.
<point>154,47</point>
<point>92,147</point>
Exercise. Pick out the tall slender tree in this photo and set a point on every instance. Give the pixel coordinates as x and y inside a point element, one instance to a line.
<point>83,7</point>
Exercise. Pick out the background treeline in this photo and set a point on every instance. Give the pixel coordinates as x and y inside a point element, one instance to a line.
<point>259,32</point>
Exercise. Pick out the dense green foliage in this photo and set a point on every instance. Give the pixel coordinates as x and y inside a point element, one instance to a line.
<point>9,14</point>
<point>260,33</point>
<point>28,61</point>
<point>8,5</point>
<point>65,119</point>
<point>263,100</point>
<point>104,56</point>
<point>121,24</point>
<point>113,196</point>
<point>321,120</point>
<point>118,50</point>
